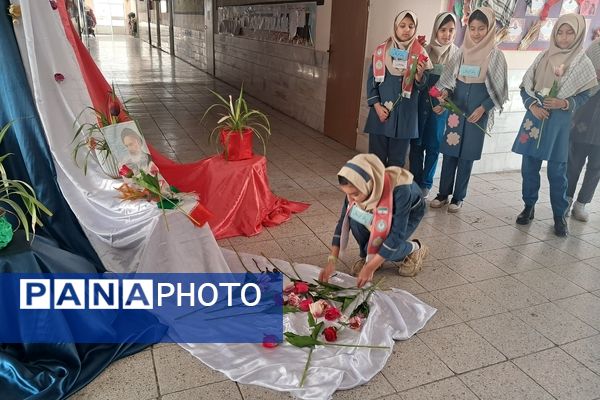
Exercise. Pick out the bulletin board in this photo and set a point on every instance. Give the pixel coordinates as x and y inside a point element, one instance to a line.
<point>524,17</point>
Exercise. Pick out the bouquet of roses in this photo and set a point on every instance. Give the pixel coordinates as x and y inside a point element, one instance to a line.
<point>330,309</point>
<point>451,106</point>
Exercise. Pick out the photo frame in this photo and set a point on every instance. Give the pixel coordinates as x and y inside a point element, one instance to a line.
<point>128,146</point>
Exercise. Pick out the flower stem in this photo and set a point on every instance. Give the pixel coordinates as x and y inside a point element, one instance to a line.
<point>540,135</point>
<point>355,345</point>
<point>306,367</point>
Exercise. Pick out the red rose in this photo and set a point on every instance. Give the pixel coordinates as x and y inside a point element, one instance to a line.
<point>58,77</point>
<point>300,287</point>
<point>330,334</point>
<point>423,58</point>
<point>125,171</point>
<point>305,304</point>
<point>422,40</point>
<point>270,341</point>
<point>435,92</point>
<point>332,313</point>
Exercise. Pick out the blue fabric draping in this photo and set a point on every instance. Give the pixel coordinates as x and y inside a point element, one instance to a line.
<point>31,160</point>
<point>55,371</point>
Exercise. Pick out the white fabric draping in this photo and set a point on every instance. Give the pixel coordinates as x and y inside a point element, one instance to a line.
<point>395,315</point>
<point>120,232</point>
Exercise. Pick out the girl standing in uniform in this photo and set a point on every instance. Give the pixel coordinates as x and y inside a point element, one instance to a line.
<point>425,150</point>
<point>555,85</point>
<point>393,94</point>
<point>476,76</point>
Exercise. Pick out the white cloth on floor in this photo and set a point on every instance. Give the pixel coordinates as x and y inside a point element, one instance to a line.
<point>395,315</point>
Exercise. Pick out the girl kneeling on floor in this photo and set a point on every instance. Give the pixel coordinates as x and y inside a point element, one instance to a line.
<point>476,78</point>
<point>382,209</point>
<point>555,85</point>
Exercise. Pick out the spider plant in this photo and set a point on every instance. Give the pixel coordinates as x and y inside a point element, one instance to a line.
<point>13,188</point>
<point>236,117</point>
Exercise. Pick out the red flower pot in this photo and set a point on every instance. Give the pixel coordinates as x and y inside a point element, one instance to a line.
<point>237,146</point>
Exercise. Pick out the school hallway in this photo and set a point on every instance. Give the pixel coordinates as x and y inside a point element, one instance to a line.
<point>517,307</point>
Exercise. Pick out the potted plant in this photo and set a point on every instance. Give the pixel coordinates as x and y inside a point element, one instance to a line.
<point>236,127</point>
<point>10,189</point>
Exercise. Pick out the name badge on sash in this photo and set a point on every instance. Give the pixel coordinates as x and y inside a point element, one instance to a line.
<point>399,58</point>
<point>469,71</point>
<point>438,69</point>
<point>361,216</point>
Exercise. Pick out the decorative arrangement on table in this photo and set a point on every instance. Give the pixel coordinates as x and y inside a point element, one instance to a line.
<point>10,191</point>
<point>330,309</point>
<point>117,145</point>
<point>236,127</point>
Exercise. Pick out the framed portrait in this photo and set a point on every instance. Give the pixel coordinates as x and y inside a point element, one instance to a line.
<point>128,146</point>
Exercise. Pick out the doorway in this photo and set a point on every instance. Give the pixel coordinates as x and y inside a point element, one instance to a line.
<point>345,78</point>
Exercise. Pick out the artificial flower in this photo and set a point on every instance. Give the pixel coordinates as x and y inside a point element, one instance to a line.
<point>330,334</point>
<point>453,139</point>
<point>332,313</point>
<point>523,138</point>
<point>453,121</point>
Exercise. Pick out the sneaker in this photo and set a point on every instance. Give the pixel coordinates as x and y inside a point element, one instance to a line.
<point>570,200</point>
<point>439,201</point>
<point>580,213</point>
<point>424,192</point>
<point>455,206</point>
<point>413,263</point>
<point>355,269</point>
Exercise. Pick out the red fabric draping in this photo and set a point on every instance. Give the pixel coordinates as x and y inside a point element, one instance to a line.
<point>236,193</point>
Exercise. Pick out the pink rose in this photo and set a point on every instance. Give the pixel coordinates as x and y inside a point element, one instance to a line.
<point>318,308</point>
<point>332,313</point>
<point>289,288</point>
<point>435,92</point>
<point>294,300</point>
<point>355,322</point>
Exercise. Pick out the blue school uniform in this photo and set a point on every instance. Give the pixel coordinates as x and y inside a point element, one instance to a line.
<point>390,140</point>
<point>462,142</point>
<point>425,150</point>
<point>408,210</point>
<point>549,140</point>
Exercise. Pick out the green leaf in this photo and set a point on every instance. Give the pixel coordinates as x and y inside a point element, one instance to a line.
<point>347,302</point>
<point>299,340</point>
<point>290,309</point>
<point>316,330</point>
<point>311,320</point>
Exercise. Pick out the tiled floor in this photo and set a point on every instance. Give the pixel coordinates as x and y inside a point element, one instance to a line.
<point>519,309</point>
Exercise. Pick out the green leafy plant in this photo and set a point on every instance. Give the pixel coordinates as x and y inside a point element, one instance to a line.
<point>13,188</point>
<point>237,117</point>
